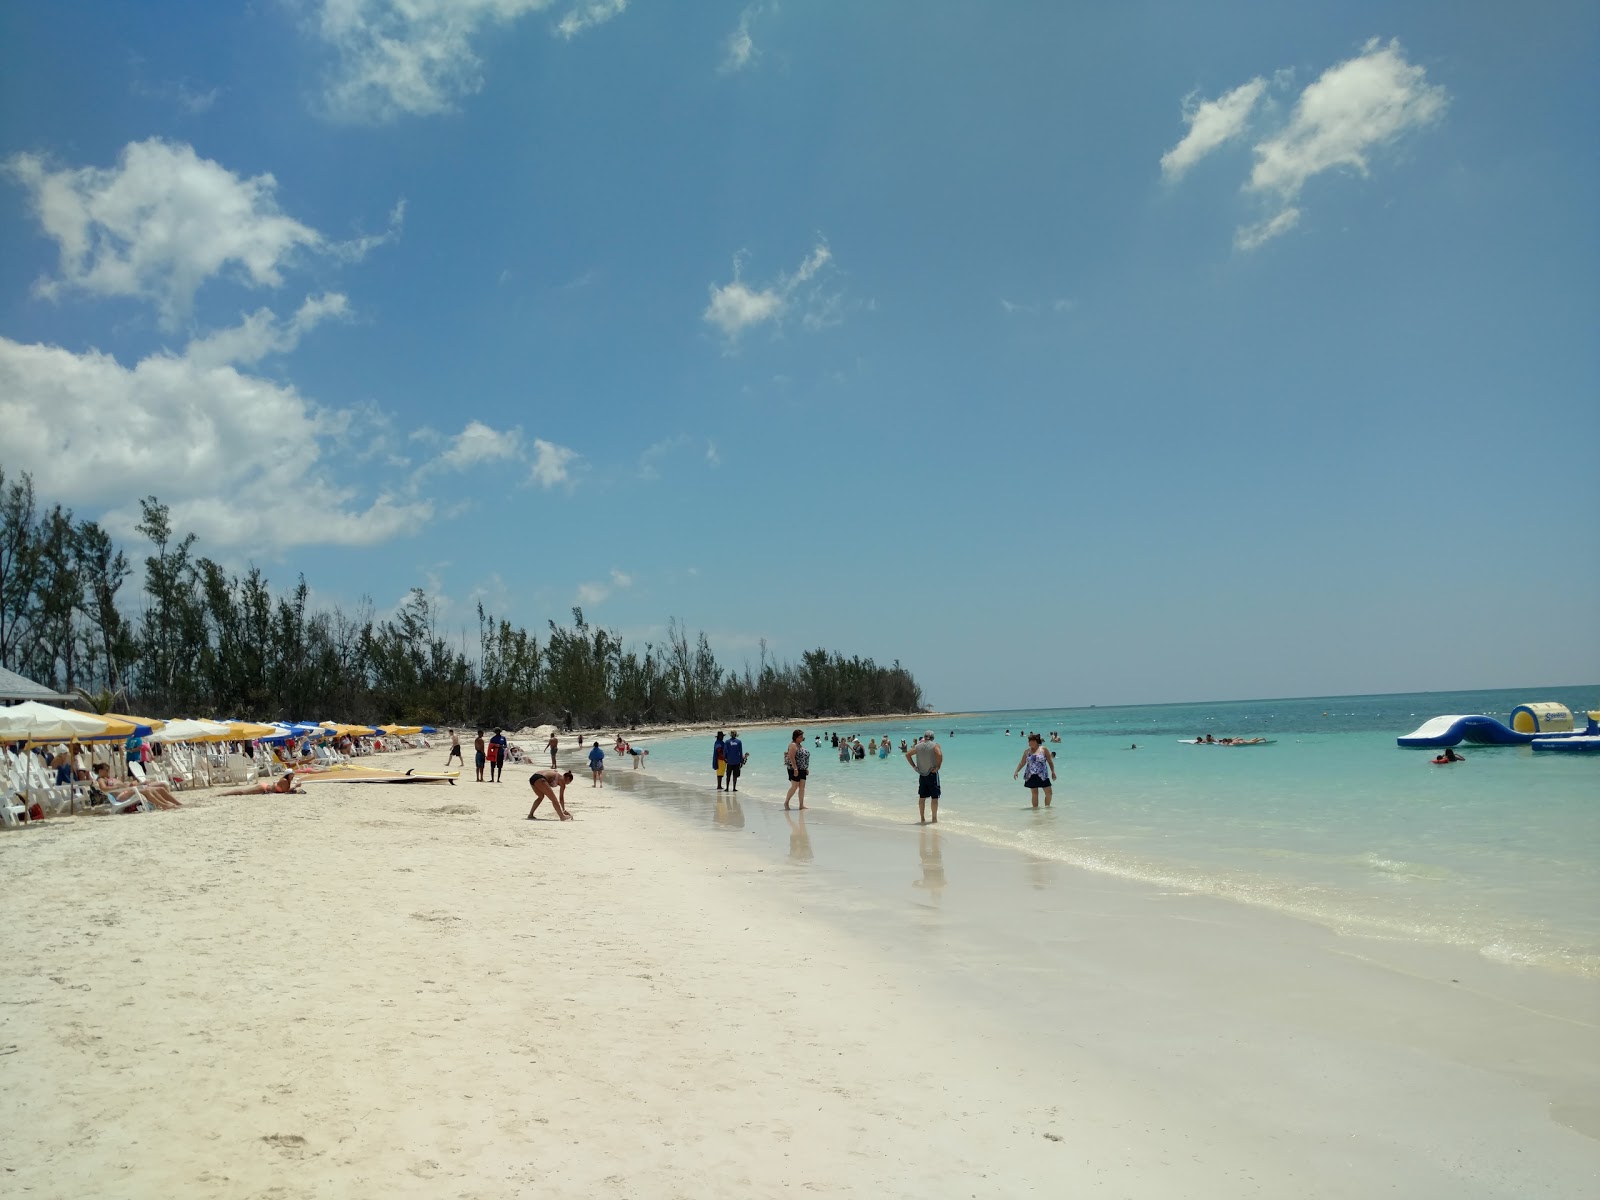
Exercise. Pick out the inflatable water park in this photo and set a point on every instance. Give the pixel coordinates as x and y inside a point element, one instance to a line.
<point>1544,725</point>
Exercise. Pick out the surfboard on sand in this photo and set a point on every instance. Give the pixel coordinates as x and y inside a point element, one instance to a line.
<point>347,774</point>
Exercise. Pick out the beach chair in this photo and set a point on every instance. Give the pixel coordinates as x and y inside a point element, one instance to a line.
<point>241,769</point>
<point>13,811</point>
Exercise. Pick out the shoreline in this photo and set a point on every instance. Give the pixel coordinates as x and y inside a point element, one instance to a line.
<point>415,991</point>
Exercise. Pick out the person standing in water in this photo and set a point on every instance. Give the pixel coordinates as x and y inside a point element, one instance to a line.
<point>597,764</point>
<point>1041,763</point>
<point>926,758</point>
<point>719,760</point>
<point>733,754</point>
<point>797,762</point>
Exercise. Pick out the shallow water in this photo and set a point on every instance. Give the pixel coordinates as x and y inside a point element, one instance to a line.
<point>1333,821</point>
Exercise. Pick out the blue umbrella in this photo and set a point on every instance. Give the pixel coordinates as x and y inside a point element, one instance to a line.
<point>429,729</point>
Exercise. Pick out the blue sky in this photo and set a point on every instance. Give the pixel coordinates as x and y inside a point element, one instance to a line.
<point>1070,354</point>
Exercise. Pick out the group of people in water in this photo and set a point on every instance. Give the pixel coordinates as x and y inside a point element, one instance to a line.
<point>924,755</point>
<point>1211,740</point>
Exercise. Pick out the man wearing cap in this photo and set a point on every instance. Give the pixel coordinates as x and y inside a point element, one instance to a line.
<point>733,754</point>
<point>926,758</point>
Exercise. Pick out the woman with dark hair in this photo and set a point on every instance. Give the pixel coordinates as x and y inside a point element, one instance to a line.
<point>797,760</point>
<point>1041,763</point>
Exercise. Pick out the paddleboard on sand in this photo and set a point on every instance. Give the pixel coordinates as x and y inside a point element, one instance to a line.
<point>375,775</point>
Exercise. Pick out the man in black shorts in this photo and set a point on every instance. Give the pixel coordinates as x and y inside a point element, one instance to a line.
<point>926,758</point>
<point>733,754</point>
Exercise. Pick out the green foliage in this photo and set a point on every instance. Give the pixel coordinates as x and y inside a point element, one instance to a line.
<point>214,643</point>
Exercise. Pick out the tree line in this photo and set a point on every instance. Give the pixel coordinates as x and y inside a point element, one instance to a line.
<point>200,640</point>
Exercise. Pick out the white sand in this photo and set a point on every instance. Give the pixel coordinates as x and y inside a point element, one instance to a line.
<point>381,990</point>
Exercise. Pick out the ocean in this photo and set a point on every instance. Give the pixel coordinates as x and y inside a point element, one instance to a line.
<point>1332,822</point>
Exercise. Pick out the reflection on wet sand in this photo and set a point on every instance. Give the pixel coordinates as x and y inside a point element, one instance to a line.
<point>799,839</point>
<point>932,863</point>
<point>1039,871</point>
<point>728,815</point>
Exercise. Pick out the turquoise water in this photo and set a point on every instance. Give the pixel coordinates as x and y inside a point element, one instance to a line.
<point>1333,821</point>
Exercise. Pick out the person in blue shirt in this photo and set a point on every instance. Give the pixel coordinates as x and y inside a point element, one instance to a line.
<point>597,763</point>
<point>733,754</point>
<point>498,761</point>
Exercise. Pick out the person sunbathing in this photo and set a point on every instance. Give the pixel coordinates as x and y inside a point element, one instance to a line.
<point>123,789</point>
<point>283,785</point>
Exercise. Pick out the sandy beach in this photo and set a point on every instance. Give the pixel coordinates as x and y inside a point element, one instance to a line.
<point>384,990</point>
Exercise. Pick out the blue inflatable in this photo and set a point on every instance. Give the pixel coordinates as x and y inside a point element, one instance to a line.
<point>1482,731</point>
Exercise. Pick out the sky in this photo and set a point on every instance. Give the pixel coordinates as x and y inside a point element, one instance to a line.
<point>1069,354</point>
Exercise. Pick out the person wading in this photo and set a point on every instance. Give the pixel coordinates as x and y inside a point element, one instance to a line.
<point>926,758</point>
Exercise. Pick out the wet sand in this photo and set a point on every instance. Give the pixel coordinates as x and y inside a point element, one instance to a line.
<point>412,990</point>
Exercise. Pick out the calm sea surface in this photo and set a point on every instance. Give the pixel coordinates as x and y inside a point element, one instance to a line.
<point>1333,821</point>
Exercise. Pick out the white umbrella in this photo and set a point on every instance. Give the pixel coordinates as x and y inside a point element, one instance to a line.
<point>191,731</point>
<point>32,721</point>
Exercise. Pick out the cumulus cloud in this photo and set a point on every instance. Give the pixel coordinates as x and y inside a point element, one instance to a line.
<point>417,57</point>
<point>261,333</point>
<point>163,221</point>
<point>550,463</point>
<point>239,459</point>
<point>587,16</point>
<point>1351,110</point>
<point>479,443</point>
<point>1211,123</point>
<point>590,594</point>
<point>737,306</point>
<point>1363,103</point>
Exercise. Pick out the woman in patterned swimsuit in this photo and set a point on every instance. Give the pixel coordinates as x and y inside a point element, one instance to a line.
<point>1041,763</point>
<point>798,761</point>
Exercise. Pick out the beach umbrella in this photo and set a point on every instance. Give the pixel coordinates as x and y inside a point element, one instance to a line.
<point>401,730</point>
<point>115,727</point>
<point>151,724</point>
<point>32,721</point>
<point>192,731</point>
<point>249,731</point>
<point>429,729</point>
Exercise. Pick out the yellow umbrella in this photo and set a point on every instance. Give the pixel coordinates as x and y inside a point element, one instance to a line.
<point>114,727</point>
<point>156,723</point>
<point>248,731</point>
<point>401,730</point>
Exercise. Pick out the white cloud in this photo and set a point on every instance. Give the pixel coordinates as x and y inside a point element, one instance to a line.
<point>1353,108</point>
<point>550,463</point>
<point>590,594</point>
<point>416,57</point>
<point>1211,123</point>
<point>239,459</point>
<point>736,306</point>
<point>712,456</point>
<point>739,49</point>
<point>1248,237</point>
<point>587,15</point>
<point>479,443</point>
<point>159,224</point>
<point>261,333</point>
<point>1363,103</point>
<point>163,221</point>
